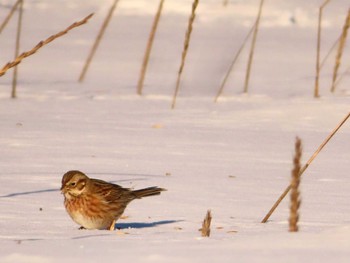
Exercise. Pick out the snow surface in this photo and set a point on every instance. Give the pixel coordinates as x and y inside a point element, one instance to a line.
<point>233,157</point>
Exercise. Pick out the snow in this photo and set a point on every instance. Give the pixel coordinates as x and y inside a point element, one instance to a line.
<point>233,157</point>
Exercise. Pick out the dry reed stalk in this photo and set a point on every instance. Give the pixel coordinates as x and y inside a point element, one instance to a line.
<point>252,48</point>
<point>319,149</point>
<point>149,48</point>
<point>340,50</point>
<point>223,83</point>
<point>41,44</point>
<point>97,41</point>
<point>10,14</point>
<point>329,52</point>
<point>205,230</point>
<point>341,76</point>
<point>185,49</point>
<point>295,194</point>
<point>18,40</point>
<point>318,50</point>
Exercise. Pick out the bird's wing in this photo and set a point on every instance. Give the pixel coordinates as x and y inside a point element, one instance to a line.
<point>112,192</point>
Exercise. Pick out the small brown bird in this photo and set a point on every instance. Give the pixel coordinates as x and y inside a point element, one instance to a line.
<point>96,204</point>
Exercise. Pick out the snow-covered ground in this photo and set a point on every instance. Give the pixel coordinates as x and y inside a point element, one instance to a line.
<point>233,157</point>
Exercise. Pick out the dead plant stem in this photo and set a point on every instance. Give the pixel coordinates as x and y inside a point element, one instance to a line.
<point>97,41</point>
<point>149,48</point>
<point>185,49</point>
<point>9,16</point>
<point>223,83</point>
<point>340,50</point>
<point>295,194</point>
<point>18,41</point>
<point>319,149</point>
<point>252,48</point>
<point>40,45</point>
<point>318,49</point>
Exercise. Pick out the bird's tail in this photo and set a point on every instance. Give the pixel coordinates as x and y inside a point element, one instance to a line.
<point>148,191</point>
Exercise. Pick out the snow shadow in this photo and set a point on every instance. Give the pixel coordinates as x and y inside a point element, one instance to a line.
<point>30,192</point>
<point>144,225</point>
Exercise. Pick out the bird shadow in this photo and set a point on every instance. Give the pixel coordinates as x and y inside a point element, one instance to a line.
<point>131,225</point>
<point>30,192</point>
<point>139,225</point>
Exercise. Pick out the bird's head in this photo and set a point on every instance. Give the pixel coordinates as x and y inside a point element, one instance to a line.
<point>73,184</point>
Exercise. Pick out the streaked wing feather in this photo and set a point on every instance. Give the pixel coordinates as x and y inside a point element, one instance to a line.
<point>112,192</point>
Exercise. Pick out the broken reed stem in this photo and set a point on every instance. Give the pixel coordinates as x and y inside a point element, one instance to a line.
<point>206,224</point>
<point>41,44</point>
<point>185,49</point>
<point>10,14</point>
<point>319,149</point>
<point>318,50</point>
<point>252,48</point>
<point>223,83</point>
<point>97,41</point>
<point>295,194</point>
<point>149,48</point>
<point>340,50</point>
<point>18,40</point>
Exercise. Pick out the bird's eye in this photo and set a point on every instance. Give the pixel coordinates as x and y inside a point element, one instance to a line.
<point>73,184</point>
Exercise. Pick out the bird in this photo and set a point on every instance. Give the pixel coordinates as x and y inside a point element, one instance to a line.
<point>97,204</point>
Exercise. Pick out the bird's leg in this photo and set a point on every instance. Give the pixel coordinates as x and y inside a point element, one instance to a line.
<point>81,228</point>
<point>112,227</point>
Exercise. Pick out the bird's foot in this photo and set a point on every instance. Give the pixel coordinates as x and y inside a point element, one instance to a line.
<point>112,227</point>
